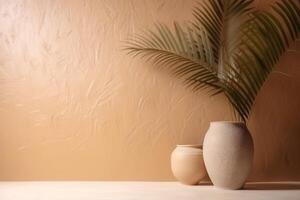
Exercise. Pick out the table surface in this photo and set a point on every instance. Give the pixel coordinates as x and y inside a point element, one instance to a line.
<point>144,190</point>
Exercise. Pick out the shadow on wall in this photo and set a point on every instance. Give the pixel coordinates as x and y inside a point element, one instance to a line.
<point>275,122</point>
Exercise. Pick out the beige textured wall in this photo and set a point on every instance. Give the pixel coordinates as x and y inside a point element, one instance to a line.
<point>73,106</point>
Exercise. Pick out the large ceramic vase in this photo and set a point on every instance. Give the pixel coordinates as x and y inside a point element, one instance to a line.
<point>228,154</point>
<point>187,164</point>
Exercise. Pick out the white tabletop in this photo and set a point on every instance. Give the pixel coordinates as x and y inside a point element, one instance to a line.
<point>143,190</point>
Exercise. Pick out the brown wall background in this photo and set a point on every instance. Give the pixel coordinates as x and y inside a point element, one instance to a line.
<point>73,106</point>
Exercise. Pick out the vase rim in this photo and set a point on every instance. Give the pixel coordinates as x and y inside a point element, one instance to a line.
<point>200,146</point>
<point>228,122</point>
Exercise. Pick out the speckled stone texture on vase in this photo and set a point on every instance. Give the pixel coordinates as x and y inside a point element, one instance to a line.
<point>228,154</point>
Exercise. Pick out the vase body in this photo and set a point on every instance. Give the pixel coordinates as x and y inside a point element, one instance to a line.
<point>187,164</point>
<point>228,154</point>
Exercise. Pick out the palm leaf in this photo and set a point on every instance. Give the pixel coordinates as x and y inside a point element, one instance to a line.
<point>179,52</point>
<point>229,47</point>
<point>266,37</point>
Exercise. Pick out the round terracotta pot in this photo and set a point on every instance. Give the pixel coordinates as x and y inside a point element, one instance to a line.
<point>228,154</point>
<point>187,164</point>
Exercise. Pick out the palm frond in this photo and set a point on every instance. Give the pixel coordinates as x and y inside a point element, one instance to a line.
<point>229,47</point>
<point>221,19</point>
<point>179,52</point>
<point>266,36</point>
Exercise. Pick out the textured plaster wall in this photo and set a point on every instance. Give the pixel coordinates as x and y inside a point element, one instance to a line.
<point>73,106</point>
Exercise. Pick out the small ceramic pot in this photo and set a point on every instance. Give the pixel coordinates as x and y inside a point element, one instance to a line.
<point>187,164</point>
<point>228,154</point>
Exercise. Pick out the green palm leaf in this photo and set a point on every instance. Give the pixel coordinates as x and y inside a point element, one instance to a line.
<point>180,52</point>
<point>228,48</point>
